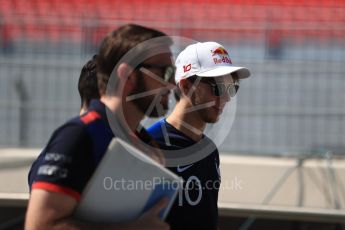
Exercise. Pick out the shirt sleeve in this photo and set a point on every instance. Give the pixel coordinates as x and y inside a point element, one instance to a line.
<point>66,163</point>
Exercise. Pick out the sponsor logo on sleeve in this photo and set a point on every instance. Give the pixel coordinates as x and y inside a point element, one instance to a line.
<point>52,170</point>
<point>57,157</point>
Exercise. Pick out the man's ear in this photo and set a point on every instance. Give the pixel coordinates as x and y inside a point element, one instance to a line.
<point>185,86</point>
<point>187,90</point>
<point>126,76</point>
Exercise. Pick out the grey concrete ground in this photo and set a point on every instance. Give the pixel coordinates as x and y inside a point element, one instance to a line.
<point>248,182</point>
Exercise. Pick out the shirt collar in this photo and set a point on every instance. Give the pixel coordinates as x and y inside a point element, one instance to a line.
<point>98,106</point>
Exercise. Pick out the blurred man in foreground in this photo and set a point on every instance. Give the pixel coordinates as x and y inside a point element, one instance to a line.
<point>59,175</point>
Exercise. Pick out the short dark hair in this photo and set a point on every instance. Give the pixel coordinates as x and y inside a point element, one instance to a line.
<point>87,84</point>
<point>116,44</point>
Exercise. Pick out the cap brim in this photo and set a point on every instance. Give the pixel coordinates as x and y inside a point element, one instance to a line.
<point>242,72</point>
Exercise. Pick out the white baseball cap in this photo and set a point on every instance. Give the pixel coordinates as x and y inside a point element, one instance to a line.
<point>206,59</point>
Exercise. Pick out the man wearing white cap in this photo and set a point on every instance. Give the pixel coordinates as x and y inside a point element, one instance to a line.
<point>206,80</point>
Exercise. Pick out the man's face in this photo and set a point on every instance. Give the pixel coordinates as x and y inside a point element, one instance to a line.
<point>206,94</point>
<point>152,80</point>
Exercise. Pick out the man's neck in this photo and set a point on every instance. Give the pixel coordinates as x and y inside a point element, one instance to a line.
<point>127,112</point>
<point>188,123</point>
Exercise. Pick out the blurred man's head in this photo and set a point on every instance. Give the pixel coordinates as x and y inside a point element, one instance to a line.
<point>87,84</point>
<point>207,79</point>
<point>141,81</point>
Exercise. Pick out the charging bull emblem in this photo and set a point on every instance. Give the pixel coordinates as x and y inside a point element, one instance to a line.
<point>223,54</point>
<point>220,51</point>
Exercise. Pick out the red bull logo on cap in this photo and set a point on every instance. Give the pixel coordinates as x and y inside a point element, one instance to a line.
<point>220,51</point>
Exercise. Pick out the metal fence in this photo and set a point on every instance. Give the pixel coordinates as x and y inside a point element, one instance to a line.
<point>294,102</point>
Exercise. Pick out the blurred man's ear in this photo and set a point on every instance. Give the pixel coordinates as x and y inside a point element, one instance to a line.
<point>187,89</point>
<point>127,77</point>
<point>185,86</point>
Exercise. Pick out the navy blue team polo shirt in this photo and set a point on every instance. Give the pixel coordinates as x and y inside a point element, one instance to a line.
<point>196,206</point>
<point>74,151</point>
